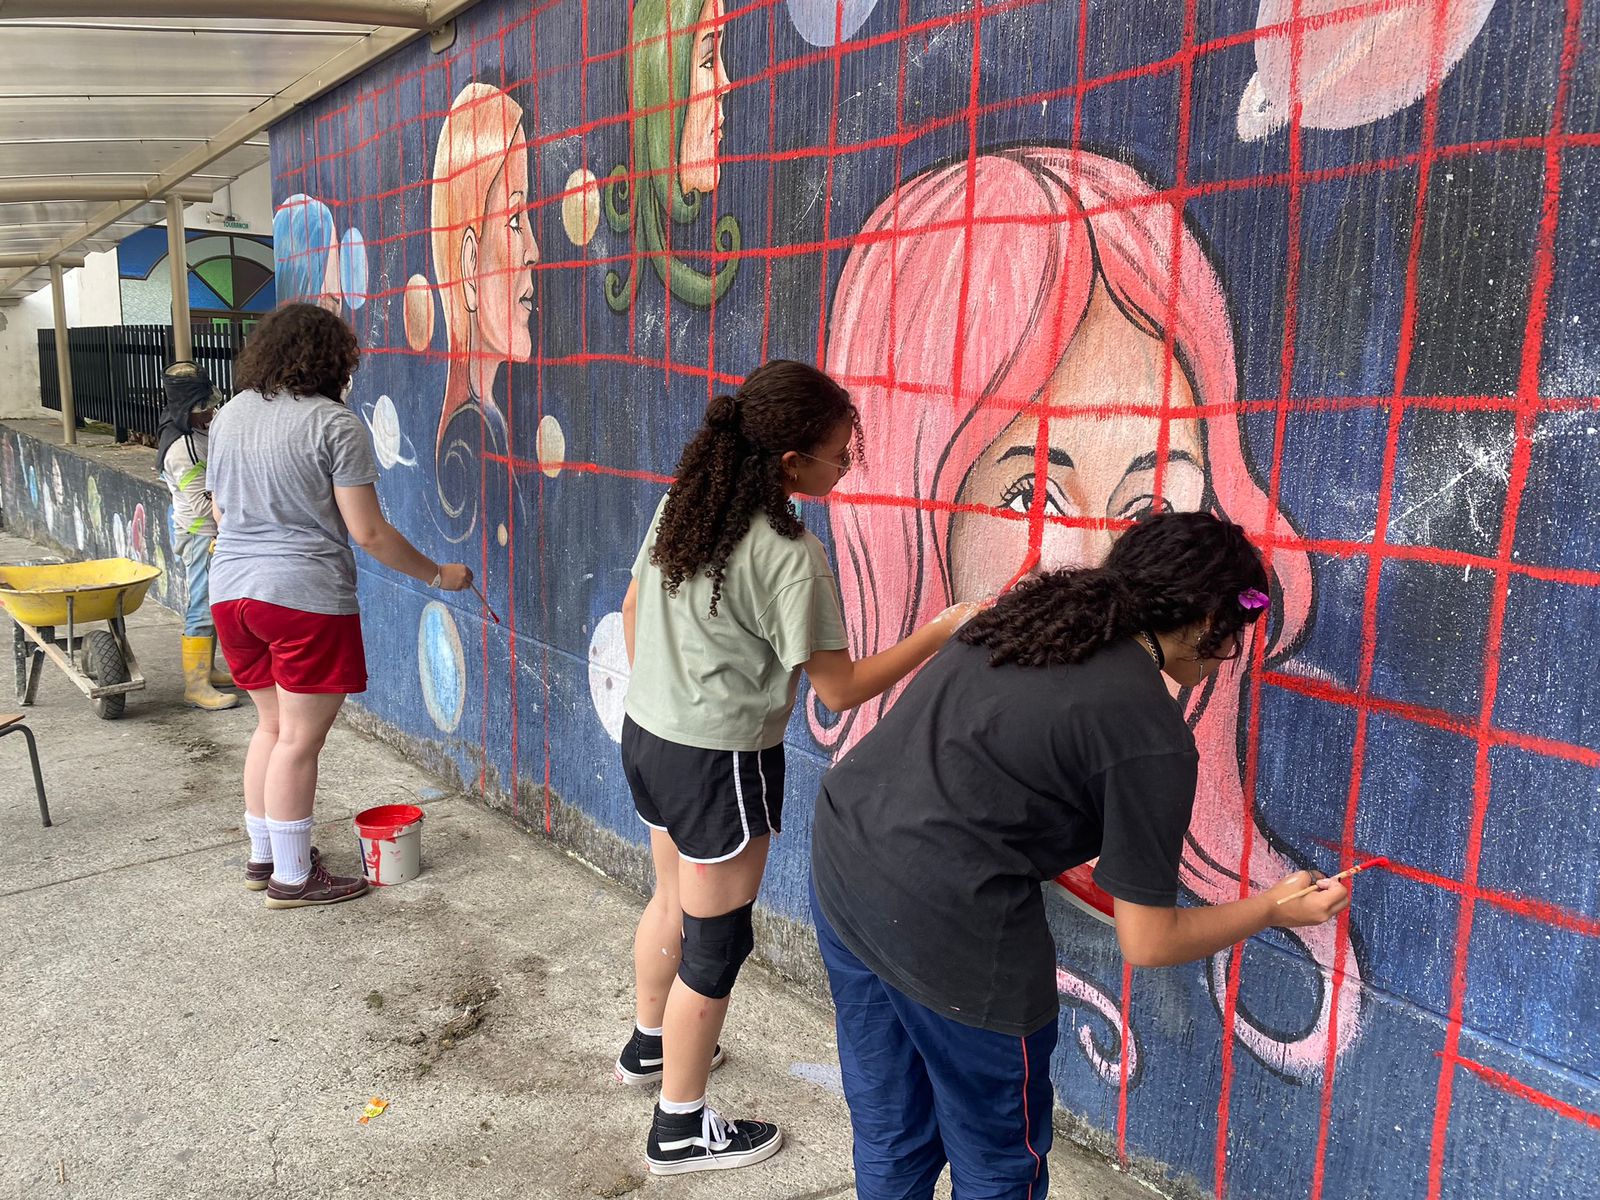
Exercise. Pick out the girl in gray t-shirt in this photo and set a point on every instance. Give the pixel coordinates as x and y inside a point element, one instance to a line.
<point>292,477</point>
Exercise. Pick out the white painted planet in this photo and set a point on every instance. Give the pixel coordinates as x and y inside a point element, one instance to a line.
<point>822,22</point>
<point>551,445</point>
<point>580,207</point>
<point>609,672</point>
<point>393,448</point>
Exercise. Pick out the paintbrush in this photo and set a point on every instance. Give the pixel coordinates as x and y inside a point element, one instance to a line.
<point>1371,862</point>
<point>493,616</point>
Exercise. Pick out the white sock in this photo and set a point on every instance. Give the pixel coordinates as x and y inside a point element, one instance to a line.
<point>291,850</point>
<point>647,1032</point>
<point>680,1107</point>
<point>260,841</point>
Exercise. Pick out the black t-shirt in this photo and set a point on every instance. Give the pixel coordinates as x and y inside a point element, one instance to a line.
<point>934,833</point>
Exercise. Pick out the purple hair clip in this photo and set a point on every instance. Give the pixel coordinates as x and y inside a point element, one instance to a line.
<point>1253,599</point>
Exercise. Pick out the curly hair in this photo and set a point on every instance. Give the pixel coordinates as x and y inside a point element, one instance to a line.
<point>298,350</point>
<point>733,467</point>
<point>1169,571</point>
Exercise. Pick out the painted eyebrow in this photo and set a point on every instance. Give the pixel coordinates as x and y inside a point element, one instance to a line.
<point>1147,462</point>
<point>1057,457</point>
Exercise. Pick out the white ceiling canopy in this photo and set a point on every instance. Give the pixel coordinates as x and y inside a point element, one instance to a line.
<point>108,108</point>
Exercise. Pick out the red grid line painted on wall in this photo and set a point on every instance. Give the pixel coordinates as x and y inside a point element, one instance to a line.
<point>1230,1007</point>
<point>1543,274</point>
<point>1369,619</point>
<point>1523,1091</point>
<point>801,249</point>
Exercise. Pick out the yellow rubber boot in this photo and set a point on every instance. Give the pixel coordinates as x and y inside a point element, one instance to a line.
<point>220,676</point>
<point>197,689</point>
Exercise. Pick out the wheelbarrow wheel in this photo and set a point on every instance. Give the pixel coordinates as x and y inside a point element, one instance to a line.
<point>102,662</point>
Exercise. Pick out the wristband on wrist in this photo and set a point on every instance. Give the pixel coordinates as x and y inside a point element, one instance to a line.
<point>438,578</point>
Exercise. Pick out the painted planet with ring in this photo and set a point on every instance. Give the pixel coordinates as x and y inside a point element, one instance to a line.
<point>393,447</point>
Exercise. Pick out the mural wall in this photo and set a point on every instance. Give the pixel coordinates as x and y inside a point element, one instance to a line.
<point>82,509</point>
<point>1324,268</point>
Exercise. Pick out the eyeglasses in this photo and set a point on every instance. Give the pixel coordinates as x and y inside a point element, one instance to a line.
<point>842,467</point>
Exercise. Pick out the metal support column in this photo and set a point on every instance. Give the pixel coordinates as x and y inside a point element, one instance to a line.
<point>58,302</point>
<point>178,265</point>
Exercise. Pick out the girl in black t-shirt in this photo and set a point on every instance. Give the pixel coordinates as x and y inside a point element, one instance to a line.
<point>1046,736</point>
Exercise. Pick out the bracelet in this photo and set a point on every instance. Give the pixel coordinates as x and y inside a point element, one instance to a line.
<point>438,578</point>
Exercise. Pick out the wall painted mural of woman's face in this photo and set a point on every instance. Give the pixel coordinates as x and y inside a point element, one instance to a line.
<point>698,167</point>
<point>1101,467</point>
<point>507,253</point>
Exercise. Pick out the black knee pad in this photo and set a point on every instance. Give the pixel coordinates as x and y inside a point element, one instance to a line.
<point>714,948</point>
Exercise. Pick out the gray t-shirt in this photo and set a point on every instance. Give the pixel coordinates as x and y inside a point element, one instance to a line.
<point>728,682</point>
<point>273,465</point>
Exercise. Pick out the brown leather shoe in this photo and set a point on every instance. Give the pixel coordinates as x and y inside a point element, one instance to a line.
<point>258,874</point>
<point>319,887</point>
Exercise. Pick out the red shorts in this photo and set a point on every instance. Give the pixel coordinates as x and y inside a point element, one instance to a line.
<point>268,644</point>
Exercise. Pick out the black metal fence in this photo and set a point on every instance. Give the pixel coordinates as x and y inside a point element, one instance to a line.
<point>116,370</point>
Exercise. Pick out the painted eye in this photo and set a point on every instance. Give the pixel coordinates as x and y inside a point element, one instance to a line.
<point>1140,506</point>
<point>516,222</point>
<point>1019,498</point>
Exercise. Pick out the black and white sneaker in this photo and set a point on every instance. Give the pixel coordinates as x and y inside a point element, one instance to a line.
<point>639,1064</point>
<point>703,1141</point>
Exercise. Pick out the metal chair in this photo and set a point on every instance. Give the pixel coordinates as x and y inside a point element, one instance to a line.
<point>13,723</point>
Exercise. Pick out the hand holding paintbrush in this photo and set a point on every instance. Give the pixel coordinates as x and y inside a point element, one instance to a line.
<point>455,577</point>
<point>1319,884</point>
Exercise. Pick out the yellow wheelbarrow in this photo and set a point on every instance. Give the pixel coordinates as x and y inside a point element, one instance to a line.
<point>42,600</point>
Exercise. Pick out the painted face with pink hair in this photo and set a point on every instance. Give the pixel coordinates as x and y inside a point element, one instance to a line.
<point>1033,380</point>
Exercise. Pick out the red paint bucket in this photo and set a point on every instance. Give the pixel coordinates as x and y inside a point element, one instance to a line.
<point>391,843</point>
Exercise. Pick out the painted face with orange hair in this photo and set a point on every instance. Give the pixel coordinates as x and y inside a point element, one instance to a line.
<point>482,241</point>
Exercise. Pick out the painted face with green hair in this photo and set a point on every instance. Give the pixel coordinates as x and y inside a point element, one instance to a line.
<point>677,88</point>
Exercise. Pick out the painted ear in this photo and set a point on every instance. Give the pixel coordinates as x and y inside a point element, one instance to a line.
<point>469,269</point>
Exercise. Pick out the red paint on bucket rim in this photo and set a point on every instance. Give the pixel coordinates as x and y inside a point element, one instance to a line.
<point>387,821</point>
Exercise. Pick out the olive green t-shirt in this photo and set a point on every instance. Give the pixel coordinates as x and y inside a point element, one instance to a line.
<point>728,682</point>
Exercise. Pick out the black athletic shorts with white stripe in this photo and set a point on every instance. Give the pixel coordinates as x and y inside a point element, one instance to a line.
<point>711,802</point>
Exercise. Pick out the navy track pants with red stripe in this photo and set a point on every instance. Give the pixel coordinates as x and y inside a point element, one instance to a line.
<point>924,1090</point>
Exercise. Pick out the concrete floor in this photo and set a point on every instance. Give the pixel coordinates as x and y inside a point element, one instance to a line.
<point>164,1035</point>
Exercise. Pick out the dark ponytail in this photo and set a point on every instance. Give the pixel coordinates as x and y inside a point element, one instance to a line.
<point>733,468</point>
<point>1169,571</point>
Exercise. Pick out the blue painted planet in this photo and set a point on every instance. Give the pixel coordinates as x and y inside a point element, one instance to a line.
<point>441,666</point>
